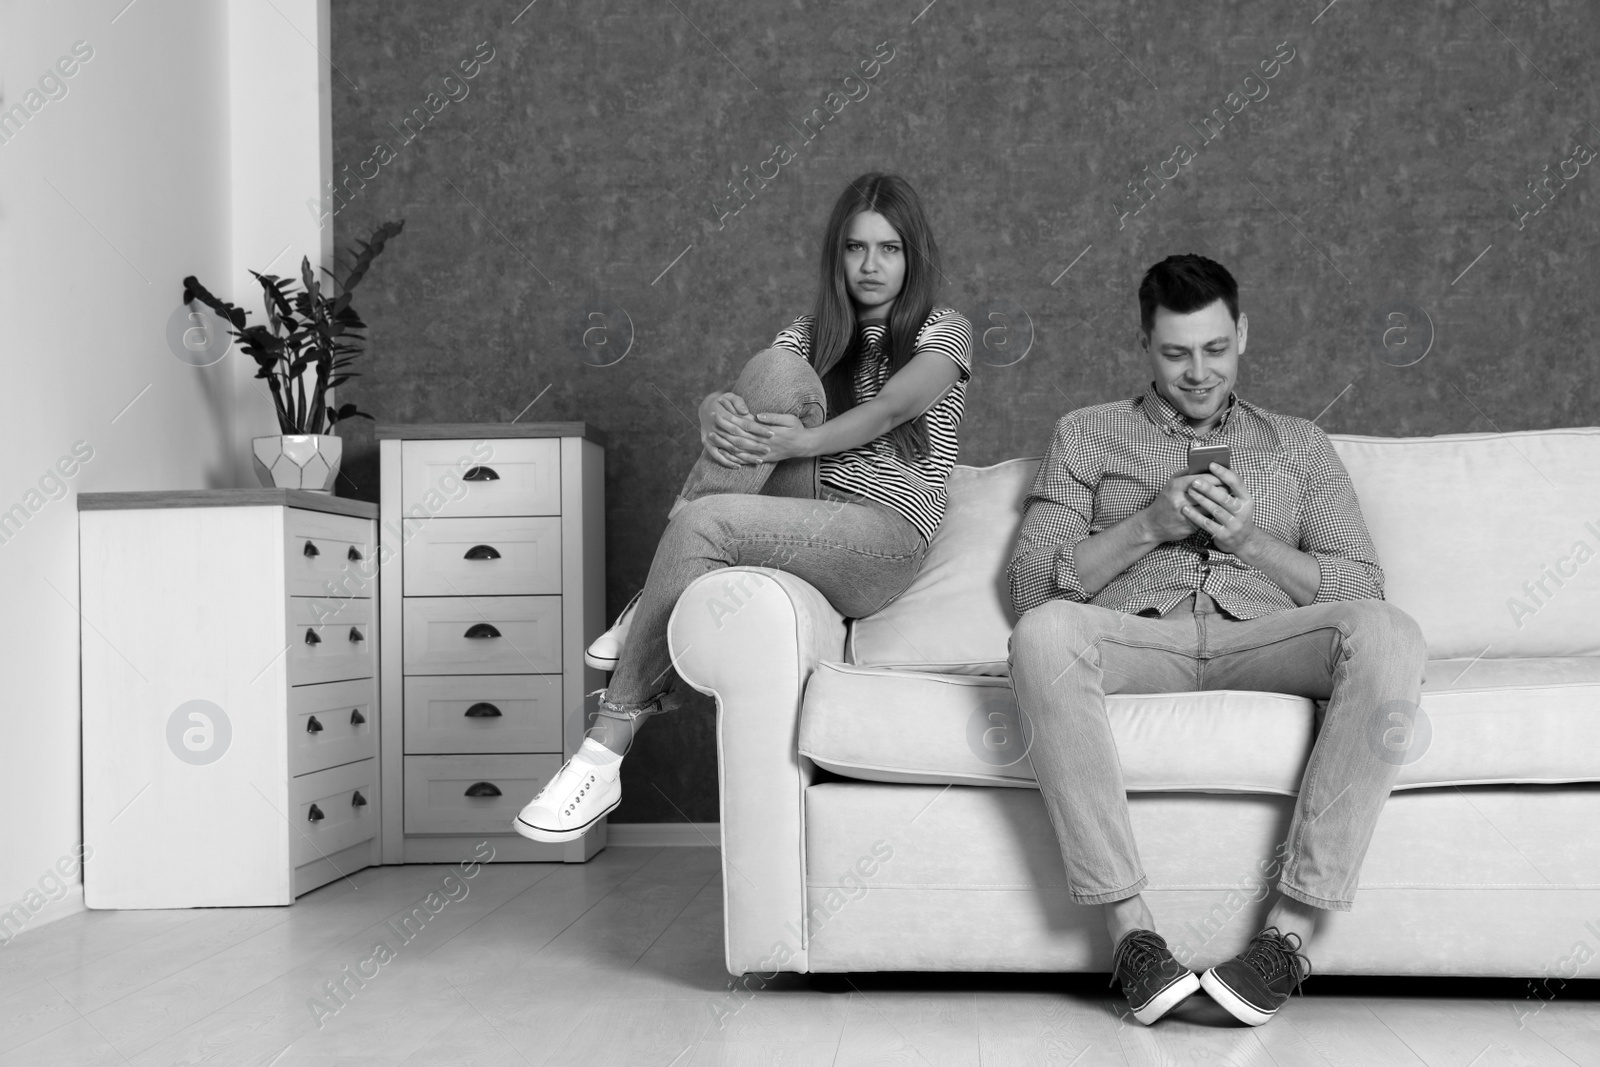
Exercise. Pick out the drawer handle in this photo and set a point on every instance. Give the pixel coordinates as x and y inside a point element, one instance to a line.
<point>315,814</point>
<point>357,800</point>
<point>483,710</point>
<point>483,789</point>
<point>355,634</point>
<point>482,552</point>
<point>311,550</point>
<point>481,474</point>
<point>356,718</point>
<point>353,555</point>
<point>312,638</point>
<point>481,629</point>
<point>313,726</point>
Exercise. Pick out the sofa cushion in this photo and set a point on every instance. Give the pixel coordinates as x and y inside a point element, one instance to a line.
<point>956,617</point>
<point>906,726</point>
<point>1467,527</point>
<point>1483,722</point>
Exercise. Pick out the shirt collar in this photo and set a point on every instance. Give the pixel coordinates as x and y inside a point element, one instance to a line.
<point>1159,410</point>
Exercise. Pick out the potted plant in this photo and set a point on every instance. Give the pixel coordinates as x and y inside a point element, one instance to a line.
<point>307,329</point>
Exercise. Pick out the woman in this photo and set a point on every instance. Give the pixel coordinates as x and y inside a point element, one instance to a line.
<point>828,459</point>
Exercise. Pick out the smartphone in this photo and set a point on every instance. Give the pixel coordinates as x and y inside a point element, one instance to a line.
<point>1201,457</point>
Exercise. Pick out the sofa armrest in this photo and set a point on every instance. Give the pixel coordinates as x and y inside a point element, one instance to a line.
<point>750,637</point>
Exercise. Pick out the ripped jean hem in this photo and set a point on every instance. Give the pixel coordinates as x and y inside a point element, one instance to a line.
<point>663,701</point>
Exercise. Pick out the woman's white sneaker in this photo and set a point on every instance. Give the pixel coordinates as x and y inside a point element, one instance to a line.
<point>585,790</point>
<point>606,649</point>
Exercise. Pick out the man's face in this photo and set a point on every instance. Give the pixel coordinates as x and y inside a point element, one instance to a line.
<point>1194,359</point>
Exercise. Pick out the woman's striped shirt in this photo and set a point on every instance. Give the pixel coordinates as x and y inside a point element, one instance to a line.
<point>916,489</point>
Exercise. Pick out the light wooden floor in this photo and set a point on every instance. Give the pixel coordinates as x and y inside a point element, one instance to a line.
<point>619,962</point>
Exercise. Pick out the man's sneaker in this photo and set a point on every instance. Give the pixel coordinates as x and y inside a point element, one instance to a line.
<point>585,790</point>
<point>1152,980</point>
<point>606,649</point>
<point>1254,984</point>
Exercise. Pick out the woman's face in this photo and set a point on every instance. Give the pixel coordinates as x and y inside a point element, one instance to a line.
<point>874,265</point>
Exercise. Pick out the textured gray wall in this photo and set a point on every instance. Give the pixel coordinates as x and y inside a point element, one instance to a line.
<point>1372,196</point>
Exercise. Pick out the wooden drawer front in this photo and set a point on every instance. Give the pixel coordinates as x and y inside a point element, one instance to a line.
<point>328,555</point>
<point>346,803</point>
<point>330,724</point>
<point>436,641</point>
<point>508,713</point>
<point>330,640</point>
<point>509,477</point>
<point>484,557</point>
<point>436,791</point>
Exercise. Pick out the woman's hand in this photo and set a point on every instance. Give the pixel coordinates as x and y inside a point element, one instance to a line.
<point>729,434</point>
<point>787,438</point>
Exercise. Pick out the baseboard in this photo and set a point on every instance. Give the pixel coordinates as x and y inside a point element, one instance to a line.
<point>70,903</point>
<point>657,834</point>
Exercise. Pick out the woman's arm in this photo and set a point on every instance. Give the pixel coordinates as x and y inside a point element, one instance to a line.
<point>909,392</point>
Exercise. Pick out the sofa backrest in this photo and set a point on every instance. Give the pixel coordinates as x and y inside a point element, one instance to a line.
<point>1490,541</point>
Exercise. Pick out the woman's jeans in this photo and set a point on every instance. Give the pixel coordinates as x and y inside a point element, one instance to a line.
<point>860,555</point>
<point>1365,657</point>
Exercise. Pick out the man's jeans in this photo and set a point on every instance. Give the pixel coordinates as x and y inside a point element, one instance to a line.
<point>859,554</point>
<point>1365,657</point>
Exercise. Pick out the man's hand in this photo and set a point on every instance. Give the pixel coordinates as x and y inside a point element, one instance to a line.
<point>729,434</point>
<point>1166,518</point>
<point>1220,505</point>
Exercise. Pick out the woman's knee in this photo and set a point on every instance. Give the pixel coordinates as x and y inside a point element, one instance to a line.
<point>695,517</point>
<point>777,379</point>
<point>704,521</point>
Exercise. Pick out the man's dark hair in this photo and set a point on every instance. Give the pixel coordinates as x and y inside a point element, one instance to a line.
<point>1183,284</point>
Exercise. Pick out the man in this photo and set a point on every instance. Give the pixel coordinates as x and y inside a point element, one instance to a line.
<point>1131,578</point>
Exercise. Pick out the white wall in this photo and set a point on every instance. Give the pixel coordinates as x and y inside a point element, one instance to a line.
<point>281,103</point>
<point>187,144</point>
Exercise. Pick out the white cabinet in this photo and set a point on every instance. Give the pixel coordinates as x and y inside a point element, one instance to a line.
<point>493,583</point>
<point>230,712</point>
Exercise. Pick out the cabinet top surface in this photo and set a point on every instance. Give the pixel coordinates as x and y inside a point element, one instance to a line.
<point>473,431</point>
<point>227,498</point>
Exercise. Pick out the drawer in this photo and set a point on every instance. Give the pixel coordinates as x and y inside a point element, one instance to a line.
<point>330,724</point>
<point>457,479</point>
<point>334,809</point>
<point>483,713</point>
<point>330,640</point>
<point>484,557</point>
<point>328,555</point>
<point>508,635</point>
<point>437,788</point>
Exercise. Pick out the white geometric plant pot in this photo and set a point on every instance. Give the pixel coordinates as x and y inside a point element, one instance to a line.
<point>298,461</point>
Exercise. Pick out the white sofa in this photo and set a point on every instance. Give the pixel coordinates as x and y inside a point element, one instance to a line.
<point>878,809</point>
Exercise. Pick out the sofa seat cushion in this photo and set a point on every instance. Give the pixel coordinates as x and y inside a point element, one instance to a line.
<point>1483,722</point>
<point>1492,721</point>
<point>908,726</point>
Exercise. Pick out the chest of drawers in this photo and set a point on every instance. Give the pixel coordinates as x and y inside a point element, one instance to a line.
<point>492,561</point>
<point>230,713</point>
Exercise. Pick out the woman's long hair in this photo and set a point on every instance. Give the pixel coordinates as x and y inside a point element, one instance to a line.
<point>835,338</point>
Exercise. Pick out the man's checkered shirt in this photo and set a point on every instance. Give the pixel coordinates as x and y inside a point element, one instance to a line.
<point>1109,461</point>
